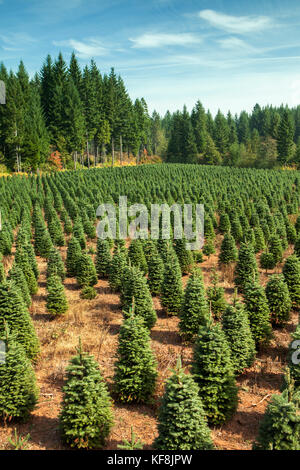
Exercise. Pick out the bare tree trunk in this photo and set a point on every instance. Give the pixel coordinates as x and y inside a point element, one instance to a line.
<point>112,151</point>
<point>87,153</point>
<point>121,149</point>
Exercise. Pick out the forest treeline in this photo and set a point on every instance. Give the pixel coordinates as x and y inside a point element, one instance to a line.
<point>85,117</point>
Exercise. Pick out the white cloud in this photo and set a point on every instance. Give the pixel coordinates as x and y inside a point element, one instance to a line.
<point>152,40</point>
<point>235,24</point>
<point>16,39</point>
<point>236,44</point>
<point>92,47</point>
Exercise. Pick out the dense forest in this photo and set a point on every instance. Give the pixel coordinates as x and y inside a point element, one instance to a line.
<point>82,117</point>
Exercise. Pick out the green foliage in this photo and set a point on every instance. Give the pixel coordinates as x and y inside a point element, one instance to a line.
<point>246,268</point>
<point>280,427</point>
<point>215,297</point>
<point>55,264</point>
<point>155,272</point>
<point>136,291</point>
<point>267,261</point>
<point>133,444</point>
<point>213,372</point>
<point>294,357</point>
<point>73,255</point>
<point>57,303</point>
<point>16,315</point>
<point>172,291</point>
<point>291,274</point>
<point>17,276</point>
<point>279,301</point>
<point>86,272</point>
<point>135,369</point>
<point>184,256</point>
<point>181,421</point>
<point>228,252</point>
<point>116,269</point>
<point>257,308</point>
<point>18,442</point>
<point>136,256</point>
<point>86,411</point>
<point>88,293</point>
<point>18,390</point>
<point>103,258</point>
<point>236,326</point>
<point>194,311</point>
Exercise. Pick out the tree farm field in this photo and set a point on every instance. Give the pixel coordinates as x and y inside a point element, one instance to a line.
<point>82,290</point>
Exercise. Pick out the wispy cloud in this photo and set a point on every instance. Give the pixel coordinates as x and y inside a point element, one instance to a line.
<point>235,24</point>
<point>15,41</point>
<point>86,49</point>
<point>236,45</point>
<point>152,40</point>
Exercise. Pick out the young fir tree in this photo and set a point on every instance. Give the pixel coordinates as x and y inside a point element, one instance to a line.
<point>155,272</point>
<point>228,252</point>
<point>22,260</point>
<point>172,291</point>
<point>73,255</point>
<point>280,427</point>
<point>182,422</point>
<point>103,258</point>
<point>57,303</point>
<point>291,274</point>
<point>236,326</point>
<point>267,261</point>
<point>215,296</point>
<point>136,291</point>
<point>116,269</point>
<point>224,224</point>
<point>213,372</point>
<point>257,308</point>
<point>55,264</point>
<point>209,247</point>
<point>32,259</point>
<point>246,268</point>
<point>136,255</point>
<point>86,271</point>
<point>17,276</point>
<point>86,416</point>
<point>194,311</point>
<point>259,239</point>
<point>279,301</point>
<point>275,247</point>
<point>135,369</point>
<point>184,256</point>
<point>78,232</point>
<point>18,390</point>
<point>14,312</point>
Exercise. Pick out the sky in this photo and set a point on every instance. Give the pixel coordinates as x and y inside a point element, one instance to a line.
<point>229,54</point>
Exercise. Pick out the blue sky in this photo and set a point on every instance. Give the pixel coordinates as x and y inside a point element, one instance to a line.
<point>229,54</point>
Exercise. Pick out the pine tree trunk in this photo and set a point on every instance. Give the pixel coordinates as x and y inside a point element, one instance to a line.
<point>87,152</point>
<point>112,151</point>
<point>121,149</point>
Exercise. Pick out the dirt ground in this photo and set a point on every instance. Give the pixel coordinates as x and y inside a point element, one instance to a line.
<point>97,322</point>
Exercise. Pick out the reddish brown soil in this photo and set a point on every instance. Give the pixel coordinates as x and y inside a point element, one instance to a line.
<point>97,322</point>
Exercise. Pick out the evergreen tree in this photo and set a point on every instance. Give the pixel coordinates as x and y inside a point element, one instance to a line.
<point>194,311</point>
<point>137,256</point>
<point>228,253</point>
<point>237,330</point>
<point>172,291</point>
<point>57,303</point>
<point>280,427</point>
<point>213,372</point>
<point>136,368</point>
<point>14,312</point>
<point>18,390</point>
<point>181,421</point>
<point>17,276</point>
<point>285,143</point>
<point>291,274</point>
<point>73,255</point>
<point>279,301</point>
<point>246,268</point>
<point>116,269</point>
<point>103,258</point>
<point>257,308</point>
<point>86,414</point>
<point>155,272</point>
<point>55,264</point>
<point>86,271</point>
<point>135,291</point>
<point>267,260</point>
<point>184,256</point>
